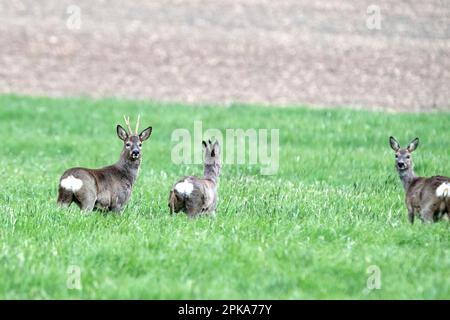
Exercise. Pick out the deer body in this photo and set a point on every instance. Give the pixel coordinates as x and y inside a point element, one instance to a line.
<point>194,195</point>
<point>426,198</point>
<point>108,188</point>
<point>424,201</point>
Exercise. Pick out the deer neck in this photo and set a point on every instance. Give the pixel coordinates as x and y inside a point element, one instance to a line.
<point>407,177</point>
<point>211,172</point>
<point>129,168</point>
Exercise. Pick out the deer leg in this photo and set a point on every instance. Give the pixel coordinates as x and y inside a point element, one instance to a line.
<point>443,211</point>
<point>427,215</point>
<point>116,209</point>
<point>88,205</point>
<point>212,210</point>
<point>410,213</point>
<point>411,216</point>
<point>191,210</point>
<point>172,199</point>
<point>191,213</point>
<point>447,211</point>
<point>65,198</point>
<point>188,206</point>
<point>86,199</point>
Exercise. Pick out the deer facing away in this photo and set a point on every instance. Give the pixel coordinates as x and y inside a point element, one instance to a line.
<point>108,188</point>
<point>194,195</point>
<point>426,198</point>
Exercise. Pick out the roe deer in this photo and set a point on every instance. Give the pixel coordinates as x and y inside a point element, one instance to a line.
<point>426,198</point>
<point>194,195</point>
<point>108,188</point>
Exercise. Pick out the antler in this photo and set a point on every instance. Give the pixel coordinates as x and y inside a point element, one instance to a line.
<point>127,122</point>
<point>137,123</point>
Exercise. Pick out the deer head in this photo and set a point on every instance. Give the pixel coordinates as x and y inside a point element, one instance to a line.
<point>403,157</point>
<point>212,159</point>
<point>132,142</point>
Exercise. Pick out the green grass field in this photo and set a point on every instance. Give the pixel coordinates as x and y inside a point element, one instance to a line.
<point>334,208</point>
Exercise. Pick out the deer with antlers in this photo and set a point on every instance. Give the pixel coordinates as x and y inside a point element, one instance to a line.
<point>108,188</point>
<point>427,198</point>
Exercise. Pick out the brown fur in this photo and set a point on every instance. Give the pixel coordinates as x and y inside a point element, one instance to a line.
<point>420,192</point>
<point>421,199</point>
<point>108,188</point>
<point>203,198</point>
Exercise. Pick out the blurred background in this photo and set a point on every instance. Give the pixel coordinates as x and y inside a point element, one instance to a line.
<point>321,53</point>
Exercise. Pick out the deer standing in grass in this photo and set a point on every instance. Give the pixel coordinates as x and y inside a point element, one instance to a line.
<point>194,195</point>
<point>108,188</point>
<point>426,198</point>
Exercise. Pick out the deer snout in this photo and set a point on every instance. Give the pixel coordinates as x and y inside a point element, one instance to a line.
<point>135,153</point>
<point>401,165</point>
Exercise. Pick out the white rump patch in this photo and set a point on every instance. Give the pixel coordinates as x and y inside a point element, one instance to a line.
<point>184,188</point>
<point>71,183</point>
<point>443,190</point>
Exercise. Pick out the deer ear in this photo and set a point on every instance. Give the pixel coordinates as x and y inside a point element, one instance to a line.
<point>394,144</point>
<point>121,133</point>
<point>216,149</point>
<point>204,144</point>
<point>413,145</point>
<point>144,135</point>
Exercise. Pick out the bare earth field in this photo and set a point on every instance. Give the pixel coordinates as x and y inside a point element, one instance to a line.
<point>318,53</point>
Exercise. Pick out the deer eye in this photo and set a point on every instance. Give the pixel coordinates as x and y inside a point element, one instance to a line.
<point>140,144</point>
<point>396,156</point>
<point>407,157</point>
<point>128,144</point>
